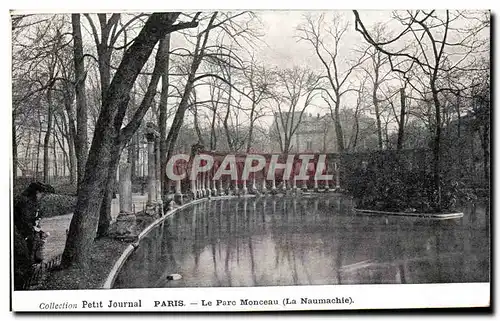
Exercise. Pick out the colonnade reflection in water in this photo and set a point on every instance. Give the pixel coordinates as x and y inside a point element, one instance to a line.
<point>307,241</point>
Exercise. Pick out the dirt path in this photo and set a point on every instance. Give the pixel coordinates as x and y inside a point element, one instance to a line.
<point>58,225</point>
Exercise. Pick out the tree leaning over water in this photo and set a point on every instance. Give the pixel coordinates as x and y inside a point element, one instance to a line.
<point>109,134</point>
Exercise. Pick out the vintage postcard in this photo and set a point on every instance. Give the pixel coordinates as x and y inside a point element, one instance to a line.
<point>265,160</point>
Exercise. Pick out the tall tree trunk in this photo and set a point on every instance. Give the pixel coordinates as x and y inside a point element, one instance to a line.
<point>401,129</point>
<point>125,136</point>
<point>64,164</point>
<point>80,139</point>
<point>197,129</point>
<point>376,103</point>
<point>436,148</point>
<point>70,134</point>
<point>46,140</point>
<point>26,151</point>
<point>105,211</point>
<point>38,143</point>
<point>132,146</point>
<point>85,220</point>
<point>356,130</point>
<point>55,154</point>
<point>62,145</point>
<point>104,54</point>
<point>379,123</point>
<point>14,152</point>
<point>132,156</point>
<point>213,137</point>
<point>485,144</point>
<point>178,120</point>
<point>162,119</point>
<point>338,127</point>
<point>73,170</point>
<point>459,119</point>
<point>104,65</point>
<point>250,130</point>
<point>230,144</point>
<point>184,103</point>
<point>226,128</point>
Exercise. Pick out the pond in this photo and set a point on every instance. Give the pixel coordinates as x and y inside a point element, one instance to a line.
<point>311,240</point>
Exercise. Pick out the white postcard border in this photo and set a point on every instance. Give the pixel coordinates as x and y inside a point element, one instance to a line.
<point>279,298</point>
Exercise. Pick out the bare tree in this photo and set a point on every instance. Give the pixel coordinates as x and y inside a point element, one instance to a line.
<point>436,45</point>
<point>105,42</point>
<point>80,137</point>
<point>163,110</point>
<point>222,25</point>
<point>294,93</point>
<point>358,108</point>
<point>110,137</point>
<point>198,55</point>
<point>258,81</point>
<point>378,70</point>
<point>326,41</point>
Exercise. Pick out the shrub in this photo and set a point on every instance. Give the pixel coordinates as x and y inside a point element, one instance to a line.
<point>55,205</point>
<point>61,185</point>
<point>392,182</point>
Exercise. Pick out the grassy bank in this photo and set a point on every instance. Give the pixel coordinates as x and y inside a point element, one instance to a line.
<point>105,252</point>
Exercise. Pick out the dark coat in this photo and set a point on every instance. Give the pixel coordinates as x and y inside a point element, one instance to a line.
<point>25,214</point>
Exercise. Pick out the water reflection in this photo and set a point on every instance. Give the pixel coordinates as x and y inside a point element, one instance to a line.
<point>287,241</point>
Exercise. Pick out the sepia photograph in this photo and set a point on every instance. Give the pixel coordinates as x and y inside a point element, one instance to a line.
<point>262,160</point>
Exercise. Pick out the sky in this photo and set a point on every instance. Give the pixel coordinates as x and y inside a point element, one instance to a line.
<point>283,47</point>
<point>280,47</point>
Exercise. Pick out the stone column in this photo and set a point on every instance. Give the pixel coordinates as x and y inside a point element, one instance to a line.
<point>193,188</point>
<point>337,176</point>
<point>159,199</point>
<point>264,182</point>
<point>154,207</point>
<point>327,185</point>
<point>125,188</point>
<point>264,187</point>
<point>214,187</point>
<point>273,185</point>
<point>199,187</point>
<point>244,189</point>
<point>207,184</point>
<point>125,226</point>
<point>236,188</point>
<point>158,172</point>
<point>315,187</point>
<point>202,184</point>
<point>151,170</point>
<point>178,192</point>
<point>221,189</point>
<point>284,186</point>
